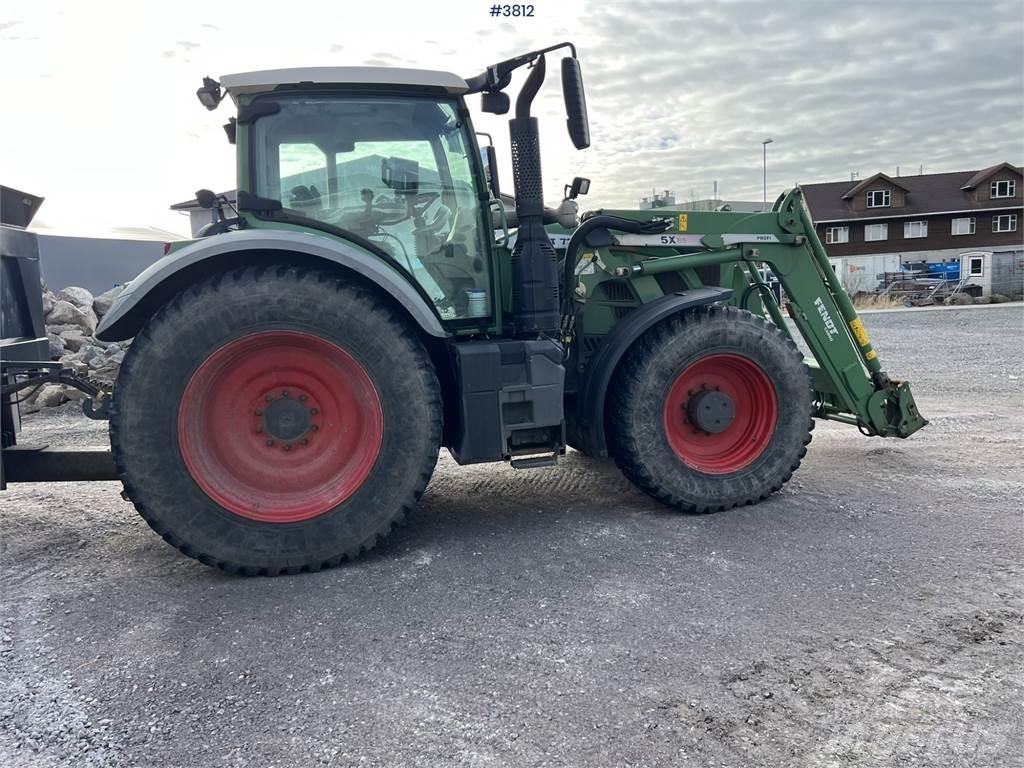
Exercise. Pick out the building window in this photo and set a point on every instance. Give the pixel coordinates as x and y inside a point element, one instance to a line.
<point>1005,188</point>
<point>964,226</point>
<point>837,235</point>
<point>1006,222</point>
<point>879,198</point>
<point>976,266</point>
<point>873,232</point>
<point>915,229</point>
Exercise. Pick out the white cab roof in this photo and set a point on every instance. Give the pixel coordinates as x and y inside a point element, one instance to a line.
<point>269,79</point>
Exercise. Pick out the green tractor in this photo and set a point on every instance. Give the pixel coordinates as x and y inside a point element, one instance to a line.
<point>372,297</point>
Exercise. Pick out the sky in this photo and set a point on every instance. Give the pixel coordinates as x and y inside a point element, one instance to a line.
<point>100,115</point>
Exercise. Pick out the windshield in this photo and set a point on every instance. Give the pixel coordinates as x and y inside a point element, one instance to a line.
<point>396,171</point>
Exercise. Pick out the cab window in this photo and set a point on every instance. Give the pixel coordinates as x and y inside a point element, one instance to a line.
<point>397,172</point>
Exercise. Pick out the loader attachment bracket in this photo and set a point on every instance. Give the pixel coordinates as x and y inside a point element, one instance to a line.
<point>893,411</point>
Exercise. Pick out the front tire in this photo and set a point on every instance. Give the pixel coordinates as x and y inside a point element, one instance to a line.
<point>710,410</point>
<point>275,420</point>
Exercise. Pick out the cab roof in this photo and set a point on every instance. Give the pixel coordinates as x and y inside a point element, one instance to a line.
<point>271,79</point>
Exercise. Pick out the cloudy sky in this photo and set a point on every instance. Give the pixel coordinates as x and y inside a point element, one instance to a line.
<point>99,112</point>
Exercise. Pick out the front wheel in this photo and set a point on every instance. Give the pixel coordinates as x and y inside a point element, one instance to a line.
<point>710,410</point>
<point>275,420</point>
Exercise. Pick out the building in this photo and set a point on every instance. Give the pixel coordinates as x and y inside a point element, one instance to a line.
<point>666,199</point>
<point>98,263</point>
<point>882,223</point>
<point>739,206</point>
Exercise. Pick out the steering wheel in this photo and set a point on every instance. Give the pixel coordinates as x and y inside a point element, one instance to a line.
<point>421,205</point>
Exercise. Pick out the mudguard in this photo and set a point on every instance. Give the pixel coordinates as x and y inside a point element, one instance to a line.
<point>586,426</point>
<point>165,278</point>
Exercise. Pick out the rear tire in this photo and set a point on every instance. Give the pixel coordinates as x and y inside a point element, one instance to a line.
<point>717,359</point>
<point>275,420</point>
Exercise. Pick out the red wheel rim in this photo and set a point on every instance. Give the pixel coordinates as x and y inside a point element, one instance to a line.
<point>755,413</point>
<point>280,426</point>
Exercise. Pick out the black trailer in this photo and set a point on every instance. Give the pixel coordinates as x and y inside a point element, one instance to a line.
<point>25,365</point>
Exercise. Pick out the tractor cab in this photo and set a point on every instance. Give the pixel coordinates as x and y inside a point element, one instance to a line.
<point>393,165</point>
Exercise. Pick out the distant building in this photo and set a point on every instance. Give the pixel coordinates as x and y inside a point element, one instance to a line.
<point>666,199</point>
<point>95,263</point>
<point>739,206</point>
<point>881,223</point>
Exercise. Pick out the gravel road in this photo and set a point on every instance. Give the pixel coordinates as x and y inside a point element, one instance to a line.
<point>868,615</point>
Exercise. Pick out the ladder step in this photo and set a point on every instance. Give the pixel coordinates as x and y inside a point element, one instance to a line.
<point>533,462</point>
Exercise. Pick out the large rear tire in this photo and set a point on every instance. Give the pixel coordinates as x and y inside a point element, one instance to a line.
<point>710,410</point>
<point>275,420</point>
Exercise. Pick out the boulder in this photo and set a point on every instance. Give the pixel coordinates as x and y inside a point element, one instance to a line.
<point>50,395</point>
<point>959,299</point>
<point>48,301</point>
<point>106,374</point>
<point>102,303</point>
<point>56,346</point>
<point>998,298</point>
<point>80,297</point>
<point>66,313</point>
<point>75,340</point>
<point>75,395</point>
<point>982,299</point>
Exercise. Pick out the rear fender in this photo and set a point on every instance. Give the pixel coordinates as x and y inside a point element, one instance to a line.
<point>173,273</point>
<point>586,425</point>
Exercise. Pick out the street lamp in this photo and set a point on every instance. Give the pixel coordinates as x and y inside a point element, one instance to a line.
<point>764,166</point>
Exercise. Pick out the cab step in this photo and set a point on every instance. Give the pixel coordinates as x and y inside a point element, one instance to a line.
<point>535,462</point>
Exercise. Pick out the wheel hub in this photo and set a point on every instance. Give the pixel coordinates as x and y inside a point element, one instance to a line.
<point>711,411</point>
<point>286,417</point>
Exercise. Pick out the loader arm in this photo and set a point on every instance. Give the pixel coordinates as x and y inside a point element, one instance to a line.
<point>850,384</point>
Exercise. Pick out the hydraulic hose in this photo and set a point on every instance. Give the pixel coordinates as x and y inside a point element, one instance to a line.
<point>579,237</point>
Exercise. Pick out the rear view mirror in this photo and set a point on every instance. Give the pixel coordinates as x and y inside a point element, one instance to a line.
<point>575,103</point>
<point>206,198</point>
<point>401,175</point>
<point>496,103</point>
<point>579,186</point>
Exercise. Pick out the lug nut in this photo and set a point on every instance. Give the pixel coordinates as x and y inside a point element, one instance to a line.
<point>303,398</point>
<point>287,447</point>
<point>270,442</point>
<point>258,411</point>
<point>313,411</point>
<point>269,399</point>
<point>285,394</point>
<point>315,427</point>
<point>259,427</point>
<point>305,441</point>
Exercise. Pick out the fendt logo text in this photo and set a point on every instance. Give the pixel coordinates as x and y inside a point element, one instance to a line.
<point>830,327</point>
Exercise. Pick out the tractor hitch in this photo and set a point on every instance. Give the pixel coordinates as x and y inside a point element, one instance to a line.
<point>38,373</point>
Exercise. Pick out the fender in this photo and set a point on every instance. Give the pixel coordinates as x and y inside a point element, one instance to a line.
<point>166,277</point>
<point>586,427</point>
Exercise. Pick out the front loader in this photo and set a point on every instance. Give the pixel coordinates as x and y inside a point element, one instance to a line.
<point>373,296</point>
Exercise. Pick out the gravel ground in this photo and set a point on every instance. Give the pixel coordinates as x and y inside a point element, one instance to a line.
<point>868,615</point>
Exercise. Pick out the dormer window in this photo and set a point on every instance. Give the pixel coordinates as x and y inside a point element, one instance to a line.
<point>880,198</point>
<point>1005,188</point>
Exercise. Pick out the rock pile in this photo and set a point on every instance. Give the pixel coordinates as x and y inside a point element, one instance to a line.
<point>71,318</point>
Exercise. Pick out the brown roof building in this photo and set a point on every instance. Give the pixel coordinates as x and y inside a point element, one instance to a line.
<point>929,217</point>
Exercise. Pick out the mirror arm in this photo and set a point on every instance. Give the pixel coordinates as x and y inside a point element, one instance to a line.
<point>499,75</point>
